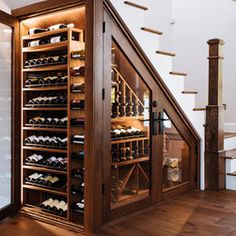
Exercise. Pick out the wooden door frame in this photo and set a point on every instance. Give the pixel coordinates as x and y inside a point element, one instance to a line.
<point>13,22</point>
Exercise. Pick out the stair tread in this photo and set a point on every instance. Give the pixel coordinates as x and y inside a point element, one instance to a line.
<point>151,30</point>
<point>171,54</point>
<point>229,135</point>
<point>189,92</point>
<point>232,173</point>
<point>231,154</point>
<point>199,109</point>
<point>178,73</point>
<point>136,5</point>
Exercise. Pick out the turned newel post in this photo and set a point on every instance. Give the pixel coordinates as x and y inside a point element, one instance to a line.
<point>214,130</point>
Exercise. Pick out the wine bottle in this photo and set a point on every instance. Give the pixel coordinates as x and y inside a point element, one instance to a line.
<point>57,206</point>
<point>45,179</point>
<point>79,205</point>
<point>62,79</point>
<point>30,139</point>
<point>77,189</point>
<point>63,209</point>
<point>50,160</point>
<point>123,154</point>
<point>62,59</point>
<point>80,54</point>
<point>37,42</point>
<point>79,88</point>
<point>58,39</point>
<point>63,142</point>
<point>30,177</point>
<point>59,26</point>
<point>128,154</point>
<point>32,81</point>
<point>53,59</point>
<point>34,178</point>
<point>78,139</point>
<point>77,104</point>
<point>78,71</point>
<point>34,158</point>
<point>63,121</point>
<point>46,203</point>
<point>78,173</point>
<point>78,155</point>
<point>36,31</point>
<point>37,120</point>
<point>80,122</point>
<point>53,181</point>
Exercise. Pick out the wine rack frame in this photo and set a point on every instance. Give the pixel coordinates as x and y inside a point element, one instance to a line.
<point>69,46</point>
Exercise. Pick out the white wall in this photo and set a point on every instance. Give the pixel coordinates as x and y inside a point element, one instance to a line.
<point>196,23</point>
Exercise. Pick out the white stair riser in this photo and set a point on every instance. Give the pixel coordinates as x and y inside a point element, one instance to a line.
<point>230,182</point>
<point>230,143</point>
<point>230,165</point>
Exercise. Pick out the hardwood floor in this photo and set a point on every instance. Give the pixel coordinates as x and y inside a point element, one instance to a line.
<point>201,213</point>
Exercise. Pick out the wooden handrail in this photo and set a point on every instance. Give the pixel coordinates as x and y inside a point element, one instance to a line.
<point>136,5</point>
<point>151,30</point>
<point>214,131</point>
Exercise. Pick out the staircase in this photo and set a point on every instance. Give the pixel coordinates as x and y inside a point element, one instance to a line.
<point>134,13</point>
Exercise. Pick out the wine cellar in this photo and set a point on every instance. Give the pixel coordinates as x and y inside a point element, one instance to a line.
<point>95,132</point>
<point>53,117</point>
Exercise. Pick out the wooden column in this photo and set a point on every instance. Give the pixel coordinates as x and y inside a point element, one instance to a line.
<point>214,130</point>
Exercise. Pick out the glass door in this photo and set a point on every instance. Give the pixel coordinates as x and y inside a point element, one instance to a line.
<point>9,119</point>
<point>130,133</point>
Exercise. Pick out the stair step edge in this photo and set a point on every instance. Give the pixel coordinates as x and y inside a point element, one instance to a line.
<point>178,73</point>
<point>189,92</point>
<point>199,109</point>
<point>151,30</point>
<point>232,174</point>
<point>166,53</point>
<point>229,135</point>
<point>136,5</point>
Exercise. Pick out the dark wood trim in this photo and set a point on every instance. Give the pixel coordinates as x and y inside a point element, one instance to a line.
<point>214,128</point>
<point>93,114</point>
<point>199,109</point>
<point>45,7</point>
<point>136,5</point>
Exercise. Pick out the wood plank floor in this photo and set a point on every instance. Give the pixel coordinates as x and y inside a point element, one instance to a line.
<point>201,213</point>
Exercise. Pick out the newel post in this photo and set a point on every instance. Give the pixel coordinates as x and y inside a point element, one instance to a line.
<point>214,129</point>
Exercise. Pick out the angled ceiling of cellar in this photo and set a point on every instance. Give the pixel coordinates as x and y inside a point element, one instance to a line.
<point>13,4</point>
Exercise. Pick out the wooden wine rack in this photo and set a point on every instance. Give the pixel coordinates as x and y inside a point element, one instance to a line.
<point>33,195</point>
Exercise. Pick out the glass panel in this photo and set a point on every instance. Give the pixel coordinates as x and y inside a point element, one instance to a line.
<point>175,156</point>
<point>130,99</point>
<point>5,114</point>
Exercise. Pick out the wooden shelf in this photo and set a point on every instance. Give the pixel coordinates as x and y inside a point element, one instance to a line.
<point>47,47</point>
<point>45,169</point>
<point>44,149</point>
<point>45,129</point>
<point>126,140</point>
<point>44,108</point>
<point>49,33</point>
<point>49,88</point>
<point>127,118</point>
<point>134,161</point>
<point>46,68</point>
<point>52,191</point>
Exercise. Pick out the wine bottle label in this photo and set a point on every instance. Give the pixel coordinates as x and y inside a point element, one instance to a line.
<point>54,180</point>
<point>34,43</point>
<point>56,27</point>
<point>52,159</point>
<point>47,178</point>
<point>32,156</point>
<point>33,176</point>
<point>64,119</point>
<point>35,31</point>
<point>38,176</point>
<point>55,39</point>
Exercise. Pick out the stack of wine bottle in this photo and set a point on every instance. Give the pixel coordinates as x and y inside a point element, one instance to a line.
<point>78,139</point>
<point>34,80</point>
<point>53,161</point>
<point>48,121</point>
<point>77,156</point>
<point>46,61</point>
<point>77,104</point>
<point>55,100</point>
<point>52,142</point>
<point>80,54</point>
<point>122,131</point>
<point>46,180</point>
<point>133,150</point>
<point>56,206</point>
<point>50,28</point>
